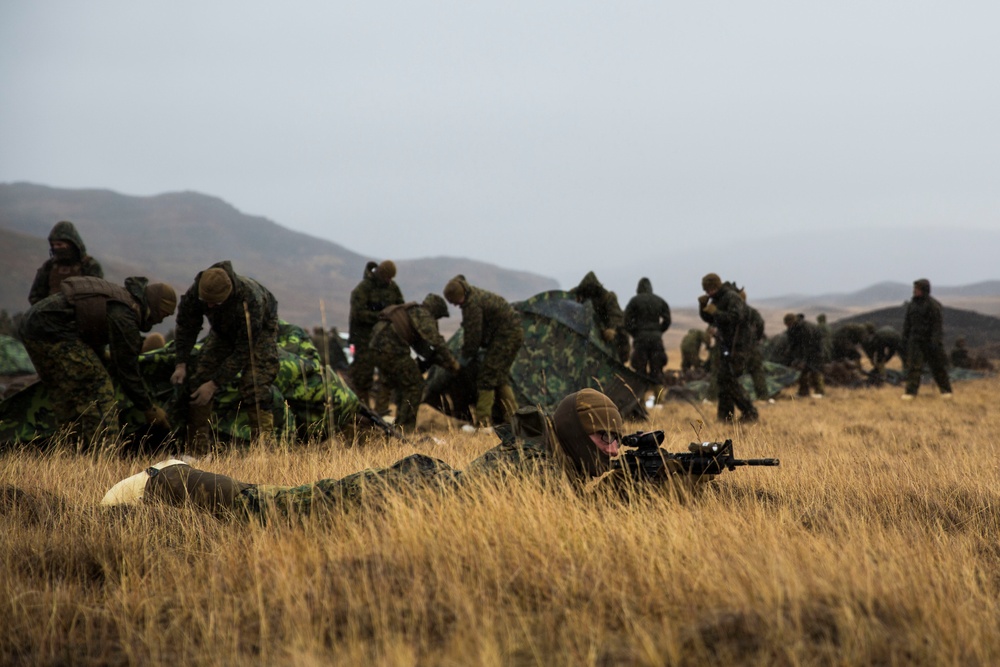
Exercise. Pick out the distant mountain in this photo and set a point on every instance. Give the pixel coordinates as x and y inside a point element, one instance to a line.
<point>978,330</point>
<point>171,237</point>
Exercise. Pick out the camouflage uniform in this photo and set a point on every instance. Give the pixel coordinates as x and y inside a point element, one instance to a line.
<point>727,312</point>
<point>647,316</point>
<point>410,325</point>
<point>68,354</point>
<point>845,342</point>
<point>489,323</point>
<point>880,346</point>
<point>368,299</point>
<point>533,445</point>
<point>691,346</point>
<point>827,335</point>
<point>960,357</point>
<point>608,316</point>
<point>755,357</point>
<point>75,262</point>
<point>923,340</point>
<point>242,342</point>
<point>805,343</point>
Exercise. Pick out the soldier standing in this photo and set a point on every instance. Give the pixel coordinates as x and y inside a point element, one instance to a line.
<point>923,340</point>
<point>376,291</point>
<point>400,328</point>
<point>68,258</point>
<point>647,316</point>
<point>491,324</point>
<point>805,344</point>
<point>723,308</point>
<point>608,314</point>
<point>65,335</point>
<point>243,341</point>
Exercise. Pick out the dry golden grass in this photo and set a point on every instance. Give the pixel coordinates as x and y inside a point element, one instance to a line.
<point>875,542</point>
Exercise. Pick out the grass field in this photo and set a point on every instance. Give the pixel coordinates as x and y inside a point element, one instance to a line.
<point>875,542</point>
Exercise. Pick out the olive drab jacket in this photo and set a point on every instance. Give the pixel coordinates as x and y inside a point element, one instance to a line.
<point>56,269</point>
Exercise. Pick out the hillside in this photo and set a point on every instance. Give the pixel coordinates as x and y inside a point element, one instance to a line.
<point>172,236</point>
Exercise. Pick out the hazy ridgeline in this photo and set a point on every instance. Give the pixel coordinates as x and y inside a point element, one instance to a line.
<point>875,542</point>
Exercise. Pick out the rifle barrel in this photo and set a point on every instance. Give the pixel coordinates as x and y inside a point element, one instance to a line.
<point>756,462</point>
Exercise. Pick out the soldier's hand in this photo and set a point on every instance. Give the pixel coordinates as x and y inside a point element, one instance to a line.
<point>156,416</point>
<point>703,300</point>
<point>608,335</point>
<point>454,366</point>
<point>179,374</point>
<point>711,308</point>
<point>203,394</point>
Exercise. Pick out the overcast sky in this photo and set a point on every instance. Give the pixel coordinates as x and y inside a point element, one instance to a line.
<point>553,136</point>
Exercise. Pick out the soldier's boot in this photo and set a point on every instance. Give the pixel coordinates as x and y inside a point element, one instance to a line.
<point>508,402</point>
<point>484,408</point>
<point>199,431</point>
<point>261,424</point>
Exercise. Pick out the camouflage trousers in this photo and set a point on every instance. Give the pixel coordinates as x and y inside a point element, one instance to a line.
<point>732,395</point>
<point>933,356</point>
<point>755,367</point>
<point>362,370</point>
<point>256,377</point>
<point>78,384</point>
<point>648,356</point>
<point>500,355</point>
<point>399,372</point>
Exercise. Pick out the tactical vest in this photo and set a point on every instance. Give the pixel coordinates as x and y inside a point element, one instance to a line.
<point>90,297</point>
<point>399,317</point>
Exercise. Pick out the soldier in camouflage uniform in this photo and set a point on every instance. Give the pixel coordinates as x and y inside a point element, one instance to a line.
<point>805,344</point>
<point>243,341</point>
<point>68,258</point>
<point>66,334</point>
<point>491,324</point>
<point>722,307</point>
<point>647,316</point>
<point>691,346</point>
<point>400,328</point>
<point>376,291</point>
<point>576,443</point>
<point>827,335</point>
<point>608,316</point>
<point>923,340</point>
<point>960,357</point>
<point>880,346</point>
<point>755,357</point>
<point>845,342</point>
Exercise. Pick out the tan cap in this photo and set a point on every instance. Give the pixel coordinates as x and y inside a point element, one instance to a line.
<point>162,300</point>
<point>711,282</point>
<point>214,286</point>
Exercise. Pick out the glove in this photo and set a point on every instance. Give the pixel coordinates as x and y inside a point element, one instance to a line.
<point>711,308</point>
<point>156,416</point>
<point>608,335</point>
<point>180,372</point>
<point>703,300</point>
<point>203,394</point>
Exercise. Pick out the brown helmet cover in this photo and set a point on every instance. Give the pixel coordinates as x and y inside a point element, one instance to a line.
<point>576,418</point>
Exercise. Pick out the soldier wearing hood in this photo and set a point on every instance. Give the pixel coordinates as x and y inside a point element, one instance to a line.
<point>68,258</point>
<point>242,342</point>
<point>722,307</point>
<point>492,325</point>
<point>923,340</point>
<point>647,317</point>
<point>376,291</point>
<point>66,334</point>
<point>576,442</point>
<point>805,345</point>
<point>401,328</point>
<point>608,316</point>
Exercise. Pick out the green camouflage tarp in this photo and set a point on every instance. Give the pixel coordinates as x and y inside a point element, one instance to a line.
<point>14,359</point>
<point>562,353</point>
<point>305,404</point>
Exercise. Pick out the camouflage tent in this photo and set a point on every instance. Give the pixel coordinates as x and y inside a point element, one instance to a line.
<point>309,399</point>
<point>14,359</point>
<point>562,352</point>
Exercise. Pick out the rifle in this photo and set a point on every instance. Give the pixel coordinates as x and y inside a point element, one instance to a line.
<point>645,461</point>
